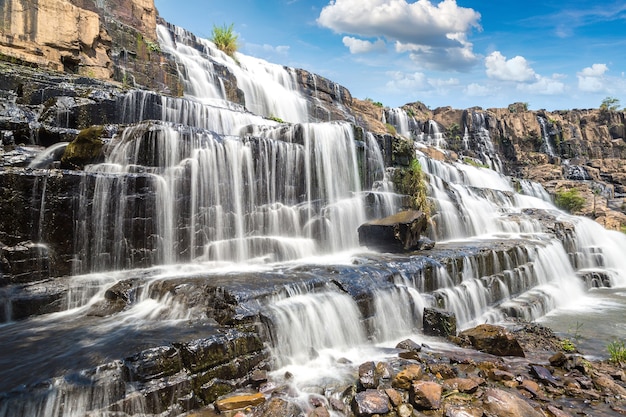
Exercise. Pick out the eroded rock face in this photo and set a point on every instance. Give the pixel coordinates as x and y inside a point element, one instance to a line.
<point>397,233</point>
<point>492,339</point>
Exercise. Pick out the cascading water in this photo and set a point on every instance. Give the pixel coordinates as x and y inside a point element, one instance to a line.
<point>210,185</point>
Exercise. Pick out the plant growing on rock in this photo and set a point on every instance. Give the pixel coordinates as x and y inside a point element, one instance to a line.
<point>609,104</point>
<point>569,200</point>
<point>411,182</point>
<point>617,351</point>
<point>225,39</point>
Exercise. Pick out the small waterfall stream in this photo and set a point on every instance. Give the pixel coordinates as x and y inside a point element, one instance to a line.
<point>202,198</point>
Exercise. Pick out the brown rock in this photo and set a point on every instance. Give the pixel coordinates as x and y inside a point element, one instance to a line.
<point>370,402</point>
<point>500,375</point>
<point>465,385</point>
<point>607,385</point>
<point>394,396</point>
<point>426,395</point>
<point>405,410</point>
<point>463,411</point>
<point>277,407</point>
<point>404,378</point>
<point>239,401</point>
<point>319,412</point>
<point>555,412</point>
<point>505,404</point>
<point>492,339</point>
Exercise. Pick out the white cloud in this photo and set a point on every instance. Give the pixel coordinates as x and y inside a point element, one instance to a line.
<point>436,32</point>
<point>359,46</point>
<point>545,86</point>
<point>478,90</point>
<point>515,69</point>
<point>400,81</point>
<point>265,49</point>
<point>592,79</point>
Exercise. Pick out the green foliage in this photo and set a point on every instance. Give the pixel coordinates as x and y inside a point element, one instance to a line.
<point>411,181</point>
<point>391,129</point>
<point>617,351</point>
<point>153,46</point>
<point>610,104</point>
<point>518,107</point>
<point>569,200</point>
<point>474,163</point>
<point>276,119</point>
<point>567,345</point>
<point>410,112</point>
<point>225,39</point>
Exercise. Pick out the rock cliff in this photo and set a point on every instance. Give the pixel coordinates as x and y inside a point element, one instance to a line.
<point>108,40</point>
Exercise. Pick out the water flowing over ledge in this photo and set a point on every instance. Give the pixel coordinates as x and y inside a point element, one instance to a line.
<point>211,227</point>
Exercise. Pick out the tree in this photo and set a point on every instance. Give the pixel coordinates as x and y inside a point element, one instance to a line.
<point>610,104</point>
<point>225,39</point>
<point>569,200</point>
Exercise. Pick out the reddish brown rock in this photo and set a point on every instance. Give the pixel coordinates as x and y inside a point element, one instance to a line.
<point>465,385</point>
<point>404,378</point>
<point>237,402</point>
<point>426,395</point>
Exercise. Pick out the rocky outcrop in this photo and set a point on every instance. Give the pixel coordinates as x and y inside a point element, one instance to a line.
<point>105,40</point>
<point>400,232</point>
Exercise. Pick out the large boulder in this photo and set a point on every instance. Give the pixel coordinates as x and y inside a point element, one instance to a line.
<point>400,232</point>
<point>492,339</point>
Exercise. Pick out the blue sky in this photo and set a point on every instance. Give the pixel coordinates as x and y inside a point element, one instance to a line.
<point>552,55</point>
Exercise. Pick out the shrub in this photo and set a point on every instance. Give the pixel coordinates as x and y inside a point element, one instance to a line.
<point>225,39</point>
<point>569,200</point>
<point>617,351</point>
<point>609,103</point>
<point>411,182</point>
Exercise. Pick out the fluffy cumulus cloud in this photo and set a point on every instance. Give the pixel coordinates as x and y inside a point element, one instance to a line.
<point>515,69</point>
<point>592,79</point>
<point>478,90</point>
<point>359,46</point>
<point>428,31</point>
<point>545,86</point>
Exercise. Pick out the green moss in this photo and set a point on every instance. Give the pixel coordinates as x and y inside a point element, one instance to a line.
<point>391,129</point>
<point>85,149</point>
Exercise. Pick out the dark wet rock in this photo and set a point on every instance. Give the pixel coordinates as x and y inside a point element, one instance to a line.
<point>370,402</point>
<point>367,375</point>
<point>425,395</point>
<point>543,375</point>
<point>24,262</point>
<point>439,322</point>
<point>492,339</point>
<point>501,403</point>
<point>555,412</point>
<point>154,363</point>
<point>397,233</point>
<point>410,349</point>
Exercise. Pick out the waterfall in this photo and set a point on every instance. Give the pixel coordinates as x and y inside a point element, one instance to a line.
<point>285,194</point>
<point>269,90</point>
<point>546,146</point>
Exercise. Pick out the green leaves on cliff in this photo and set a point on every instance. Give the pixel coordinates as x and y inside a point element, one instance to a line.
<point>569,200</point>
<point>411,182</point>
<point>225,39</point>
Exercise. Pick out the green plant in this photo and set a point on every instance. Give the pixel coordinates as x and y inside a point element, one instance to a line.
<point>411,181</point>
<point>569,200</point>
<point>617,351</point>
<point>152,46</point>
<point>610,104</point>
<point>225,39</point>
<point>391,129</point>
<point>567,345</point>
<point>474,163</point>
<point>276,119</point>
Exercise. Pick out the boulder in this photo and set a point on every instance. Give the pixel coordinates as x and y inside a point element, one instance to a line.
<point>505,404</point>
<point>439,322</point>
<point>400,232</point>
<point>237,402</point>
<point>405,377</point>
<point>492,339</point>
<point>370,402</point>
<point>426,395</point>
